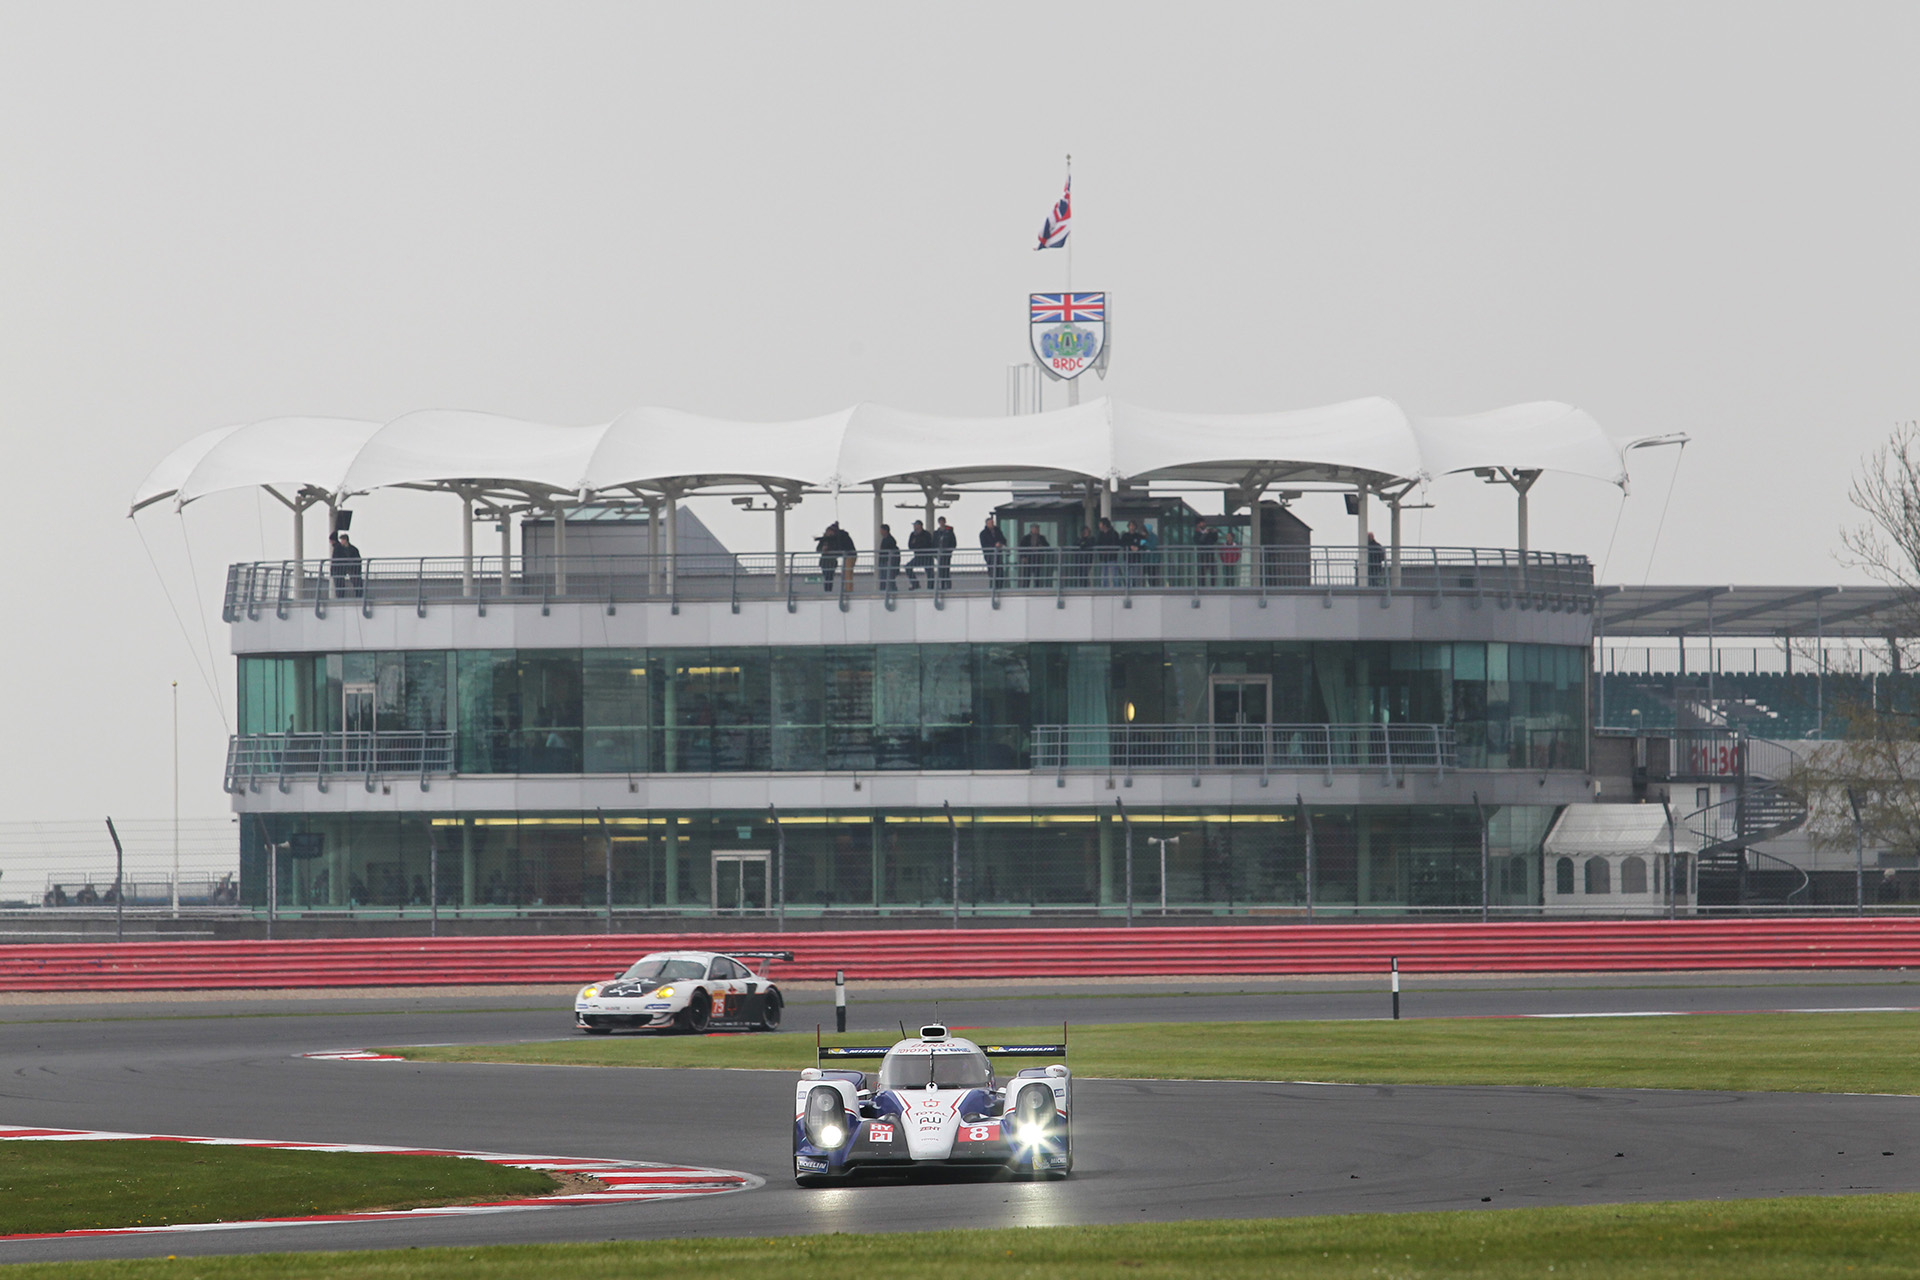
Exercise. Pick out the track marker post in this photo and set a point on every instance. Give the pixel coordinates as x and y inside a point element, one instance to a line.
<point>840,1000</point>
<point>1394,963</point>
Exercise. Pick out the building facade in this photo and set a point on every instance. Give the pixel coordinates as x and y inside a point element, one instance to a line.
<point>1027,733</point>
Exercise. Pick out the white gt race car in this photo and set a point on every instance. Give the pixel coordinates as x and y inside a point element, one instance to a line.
<point>936,1102</point>
<point>684,990</point>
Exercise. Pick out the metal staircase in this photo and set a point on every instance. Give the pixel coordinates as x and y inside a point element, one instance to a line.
<point>1761,809</point>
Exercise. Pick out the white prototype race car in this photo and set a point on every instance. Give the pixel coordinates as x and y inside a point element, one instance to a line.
<point>936,1101</point>
<point>687,991</point>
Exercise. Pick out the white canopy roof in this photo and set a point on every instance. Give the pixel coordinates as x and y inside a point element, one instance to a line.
<point>1608,828</point>
<point>1370,441</point>
<point>1542,435</point>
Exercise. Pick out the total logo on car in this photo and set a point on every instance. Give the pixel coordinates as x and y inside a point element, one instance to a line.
<point>936,1101</point>
<point>688,991</point>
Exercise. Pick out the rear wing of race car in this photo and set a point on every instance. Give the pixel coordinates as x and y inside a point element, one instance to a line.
<point>821,1053</point>
<point>761,955</point>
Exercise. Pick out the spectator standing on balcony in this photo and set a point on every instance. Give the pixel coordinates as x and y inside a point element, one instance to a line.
<point>1132,545</point>
<point>1082,565</point>
<point>1106,553</point>
<point>1376,562</point>
<point>920,542</point>
<point>345,566</point>
<point>944,542</point>
<point>1033,557</point>
<point>993,549</point>
<point>829,556</point>
<point>886,558</point>
<point>1205,539</point>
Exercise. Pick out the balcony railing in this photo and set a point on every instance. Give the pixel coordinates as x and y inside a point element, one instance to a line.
<point>1196,749</point>
<point>256,757</point>
<point>1534,578</point>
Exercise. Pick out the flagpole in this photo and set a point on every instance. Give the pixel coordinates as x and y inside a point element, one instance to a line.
<point>1073,384</point>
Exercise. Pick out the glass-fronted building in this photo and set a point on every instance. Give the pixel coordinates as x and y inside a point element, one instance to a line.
<point>1015,738</point>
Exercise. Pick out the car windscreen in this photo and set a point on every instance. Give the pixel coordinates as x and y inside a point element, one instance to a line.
<point>966,1070</point>
<point>663,969</point>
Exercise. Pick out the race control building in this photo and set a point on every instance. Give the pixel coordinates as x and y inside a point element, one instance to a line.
<point>617,713</point>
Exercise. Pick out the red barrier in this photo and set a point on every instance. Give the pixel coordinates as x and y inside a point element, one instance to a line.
<point>1537,947</point>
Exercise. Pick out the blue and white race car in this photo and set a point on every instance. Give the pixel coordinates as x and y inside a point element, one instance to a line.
<point>686,991</point>
<point>936,1101</point>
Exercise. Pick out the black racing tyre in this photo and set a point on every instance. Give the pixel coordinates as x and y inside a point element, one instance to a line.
<point>770,1012</point>
<point>699,1011</point>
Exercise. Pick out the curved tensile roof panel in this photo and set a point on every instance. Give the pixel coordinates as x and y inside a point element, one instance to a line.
<point>170,472</point>
<point>296,452</point>
<point>893,444</point>
<point>651,447</point>
<point>1367,441</point>
<point>1356,440</point>
<point>434,447</point>
<point>1542,435</point>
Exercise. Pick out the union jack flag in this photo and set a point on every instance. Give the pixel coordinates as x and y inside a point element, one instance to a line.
<point>1053,232</point>
<point>1065,308</point>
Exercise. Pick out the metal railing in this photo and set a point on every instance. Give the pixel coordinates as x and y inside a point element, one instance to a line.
<point>1123,750</point>
<point>254,757</point>
<point>1534,578</point>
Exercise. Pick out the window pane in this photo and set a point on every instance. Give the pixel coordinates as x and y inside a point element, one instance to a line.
<point>615,710</point>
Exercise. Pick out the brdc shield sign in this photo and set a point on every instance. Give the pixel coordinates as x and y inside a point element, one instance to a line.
<point>1068,332</point>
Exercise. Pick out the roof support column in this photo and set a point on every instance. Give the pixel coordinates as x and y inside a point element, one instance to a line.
<point>1106,496</point>
<point>653,545</point>
<point>506,549</point>
<point>673,540</point>
<point>559,549</point>
<point>299,550</point>
<point>466,542</point>
<point>780,544</point>
<point>879,518</point>
<point>1393,553</point>
<point>1360,535</point>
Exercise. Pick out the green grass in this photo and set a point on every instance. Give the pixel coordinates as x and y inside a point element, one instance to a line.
<point>1856,1237</point>
<point>71,1186</point>
<point>1813,1053</point>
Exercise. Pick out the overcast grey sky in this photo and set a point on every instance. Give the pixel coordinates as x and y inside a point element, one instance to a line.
<point>1679,217</point>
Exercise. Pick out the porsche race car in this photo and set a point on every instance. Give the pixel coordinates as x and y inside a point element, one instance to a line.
<point>686,991</point>
<point>934,1101</point>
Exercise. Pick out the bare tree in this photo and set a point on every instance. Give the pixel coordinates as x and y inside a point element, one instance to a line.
<point>1877,753</point>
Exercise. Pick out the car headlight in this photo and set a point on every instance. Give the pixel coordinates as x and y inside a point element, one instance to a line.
<point>832,1135</point>
<point>664,993</point>
<point>1028,1135</point>
<point>588,993</point>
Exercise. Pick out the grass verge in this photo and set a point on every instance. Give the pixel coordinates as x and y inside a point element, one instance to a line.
<point>1858,1237</point>
<point>75,1186</point>
<point>1791,1052</point>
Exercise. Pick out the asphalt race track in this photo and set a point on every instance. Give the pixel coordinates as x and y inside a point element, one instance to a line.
<point>1144,1150</point>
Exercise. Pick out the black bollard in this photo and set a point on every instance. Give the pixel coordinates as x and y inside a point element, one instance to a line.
<point>1395,963</point>
<point>840,1000</point>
